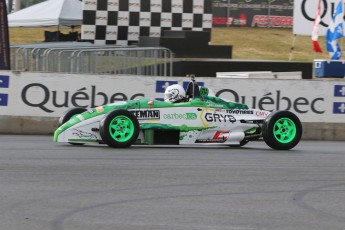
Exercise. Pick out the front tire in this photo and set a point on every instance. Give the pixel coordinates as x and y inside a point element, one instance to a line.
<point>68,114</point>
<point>119,129</point>
<point>282,130</point>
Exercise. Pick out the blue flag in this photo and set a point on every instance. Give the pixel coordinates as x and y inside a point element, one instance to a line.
<point>4,40</point>
<point>335,31</point>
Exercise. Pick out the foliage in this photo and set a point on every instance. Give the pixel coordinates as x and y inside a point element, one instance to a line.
<point>23,4</point>
<point>9,5</point>
<point>27,3</point>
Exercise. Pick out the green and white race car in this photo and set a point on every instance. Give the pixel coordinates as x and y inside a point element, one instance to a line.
<point>202,119</point>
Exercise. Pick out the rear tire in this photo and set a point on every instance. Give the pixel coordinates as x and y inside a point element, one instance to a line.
<point>282,130</point>
<point>119,129</point>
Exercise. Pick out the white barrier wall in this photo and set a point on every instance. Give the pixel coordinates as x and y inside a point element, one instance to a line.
<point>48,95</point>
<point>30,103</point>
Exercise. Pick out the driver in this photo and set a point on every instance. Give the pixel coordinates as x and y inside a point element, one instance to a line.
<point>174,94</point>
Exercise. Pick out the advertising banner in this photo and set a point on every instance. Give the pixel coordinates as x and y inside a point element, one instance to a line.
<point>253,13</point>
<point>49,95</point>
<point>4,39</point>
<point>123,22</point>
<point>305,12</point>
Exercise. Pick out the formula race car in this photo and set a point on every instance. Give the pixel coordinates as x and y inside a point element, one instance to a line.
<point>191,117</point>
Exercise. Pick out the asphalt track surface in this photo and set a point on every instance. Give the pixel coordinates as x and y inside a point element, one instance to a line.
<point>56,186</point>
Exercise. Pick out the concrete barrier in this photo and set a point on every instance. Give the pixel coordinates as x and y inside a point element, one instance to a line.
<point>323,131</point>
<point>28,125</point>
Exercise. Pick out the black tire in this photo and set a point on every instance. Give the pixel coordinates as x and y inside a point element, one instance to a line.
<point>282,130</point>
<point>68,114</point>
<point>119,129</point>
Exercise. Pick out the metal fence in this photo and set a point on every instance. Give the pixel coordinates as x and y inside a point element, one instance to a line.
<point>79,57</point>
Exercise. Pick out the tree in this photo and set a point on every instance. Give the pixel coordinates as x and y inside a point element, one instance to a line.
<point>27,3</point>
<point>9,6</point>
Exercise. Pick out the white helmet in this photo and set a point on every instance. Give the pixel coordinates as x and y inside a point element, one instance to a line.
<point>174,93</point>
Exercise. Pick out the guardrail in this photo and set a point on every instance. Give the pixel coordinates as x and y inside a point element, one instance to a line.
<point>87,58</point>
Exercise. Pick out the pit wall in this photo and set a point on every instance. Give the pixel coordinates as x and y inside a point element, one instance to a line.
<point>31,103</point>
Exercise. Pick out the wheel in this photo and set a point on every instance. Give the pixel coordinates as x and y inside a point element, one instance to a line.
<point>119,129</point>
<point>67,115</point>
<point>282,130</point>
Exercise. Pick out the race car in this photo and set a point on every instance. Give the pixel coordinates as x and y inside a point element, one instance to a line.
<point>196,118</point>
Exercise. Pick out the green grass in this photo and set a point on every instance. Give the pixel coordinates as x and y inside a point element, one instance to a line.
<point>248,43</point>
<point>268,44</point>
<point>31,35</point>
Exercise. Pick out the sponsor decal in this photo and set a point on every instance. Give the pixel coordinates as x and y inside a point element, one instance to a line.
<point>221,135</point>
<point>146,114</point>
<point>135,4</point>
<point>230,21</point>
<point>90,3</point>
<point>99,109</point>
<point>155,5</point>
<point>3,99</point>
<point>84,97</point>
<point>239,111</point>
<point>213,137</point>
<point>84,135</point>
<point>254,13</point>
<point>150,103</point>
<point>276,101</point>
<point>181,116</point>
<point>222,20</point>
<point>177,6</point>
<point>272,21</point>
<point>4,83</point>
<point>339,107</point>
<point>215,117</point>
<point>262,113</point>
<point>339,90</point>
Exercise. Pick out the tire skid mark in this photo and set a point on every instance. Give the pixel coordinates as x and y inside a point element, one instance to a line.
<point>298,196</point>
<point>298,199</point>
<point>58,223</point>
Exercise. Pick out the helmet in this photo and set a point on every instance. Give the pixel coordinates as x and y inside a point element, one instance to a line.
<point>174,93</point>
